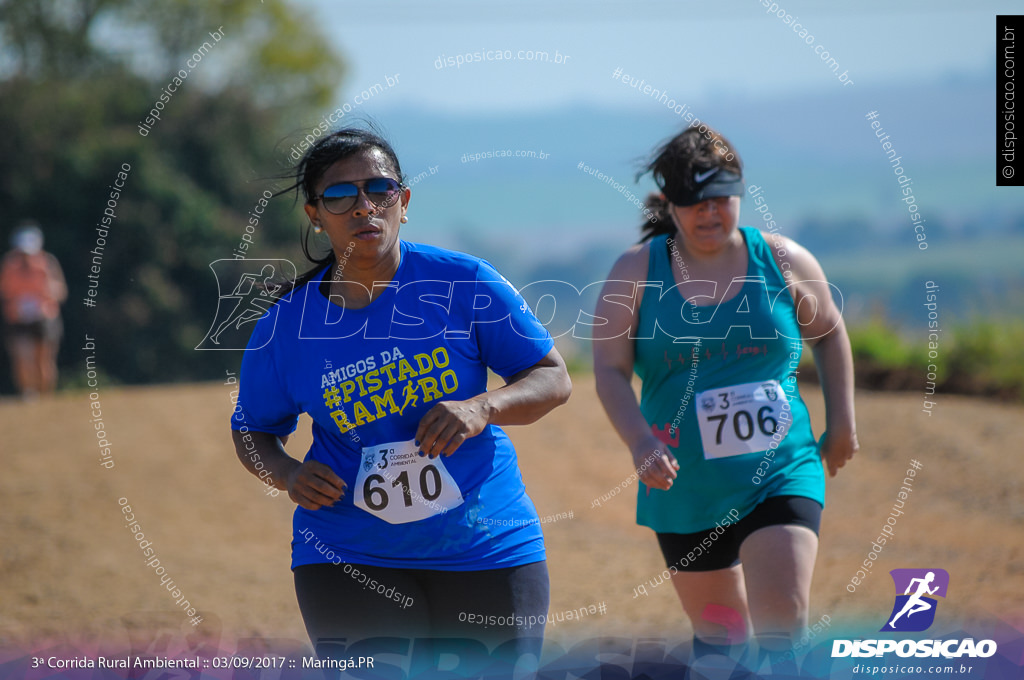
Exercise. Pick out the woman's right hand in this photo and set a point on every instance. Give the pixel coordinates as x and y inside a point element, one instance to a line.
<point>655,464</point>
<point>613,369</point>
<point>313,485</point>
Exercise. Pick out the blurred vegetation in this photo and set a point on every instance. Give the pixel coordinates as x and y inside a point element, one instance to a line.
<point>980,358</point>
<point>78,76</point>
<point>76,79</point>
<point>880,343</point>
<point>983,357</point>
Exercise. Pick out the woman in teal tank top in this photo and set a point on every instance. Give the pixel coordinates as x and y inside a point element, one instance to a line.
<point>712,317</point>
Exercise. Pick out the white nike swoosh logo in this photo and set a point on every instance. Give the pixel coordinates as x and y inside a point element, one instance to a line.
<point>701,176</point>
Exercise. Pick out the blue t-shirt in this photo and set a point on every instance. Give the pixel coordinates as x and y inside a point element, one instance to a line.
<point>366,377</point>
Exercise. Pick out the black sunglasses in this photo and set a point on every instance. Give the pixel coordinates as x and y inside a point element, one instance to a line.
<point>382,192</point>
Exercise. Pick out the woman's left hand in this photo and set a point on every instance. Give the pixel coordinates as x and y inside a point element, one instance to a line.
<point>837,449</point>
<point>449,423</point>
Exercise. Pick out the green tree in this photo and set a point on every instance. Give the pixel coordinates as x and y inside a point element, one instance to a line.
<point>270,48</point>
<point>74,100</point>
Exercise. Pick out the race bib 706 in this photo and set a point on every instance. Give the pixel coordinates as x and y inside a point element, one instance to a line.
<point>741,419</point>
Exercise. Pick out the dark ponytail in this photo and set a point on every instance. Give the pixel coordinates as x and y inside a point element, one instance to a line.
<point>657,220</point>
<point>673,165</point>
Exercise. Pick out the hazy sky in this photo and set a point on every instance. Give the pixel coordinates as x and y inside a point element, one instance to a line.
<point>694,50</point>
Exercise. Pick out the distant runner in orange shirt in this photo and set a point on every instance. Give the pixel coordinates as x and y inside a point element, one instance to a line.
<point>32,289</point>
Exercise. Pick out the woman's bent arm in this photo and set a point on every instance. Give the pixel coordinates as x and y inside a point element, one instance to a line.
<point>822,327</point>
<point>834,359</point>
<point>525,398</point>
<point>312,484</point>
<point>613,370</point>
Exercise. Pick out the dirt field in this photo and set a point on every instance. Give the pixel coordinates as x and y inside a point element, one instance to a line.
<point>71,568</point>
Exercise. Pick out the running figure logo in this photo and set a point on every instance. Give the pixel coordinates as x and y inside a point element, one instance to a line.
<point>246,292</point>
<point>409,392</point>
<point>914,610</point>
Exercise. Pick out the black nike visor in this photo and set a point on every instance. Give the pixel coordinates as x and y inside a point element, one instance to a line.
<point>715,184</point>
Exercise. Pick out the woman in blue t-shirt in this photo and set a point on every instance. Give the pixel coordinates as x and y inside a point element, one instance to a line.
<point>412,517</point>
<point>731,475</point>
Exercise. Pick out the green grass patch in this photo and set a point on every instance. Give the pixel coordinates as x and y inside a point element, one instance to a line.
<point>984,356</point>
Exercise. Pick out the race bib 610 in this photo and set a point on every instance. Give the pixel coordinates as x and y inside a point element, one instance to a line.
<point>398,485</point>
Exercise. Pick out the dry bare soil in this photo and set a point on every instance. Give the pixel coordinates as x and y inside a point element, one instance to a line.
<point>71,570</point>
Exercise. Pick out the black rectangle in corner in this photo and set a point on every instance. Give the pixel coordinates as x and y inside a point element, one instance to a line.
<point>1009,147</point>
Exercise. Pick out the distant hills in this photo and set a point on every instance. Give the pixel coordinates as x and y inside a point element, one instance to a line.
<point>825,176</point>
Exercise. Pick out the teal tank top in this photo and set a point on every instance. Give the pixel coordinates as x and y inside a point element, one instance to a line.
<point>719,389</point>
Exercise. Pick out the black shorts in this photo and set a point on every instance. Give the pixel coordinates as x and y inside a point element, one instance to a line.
<point>49,330</point>
<point>722,550</point>
<point>348,608</point>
